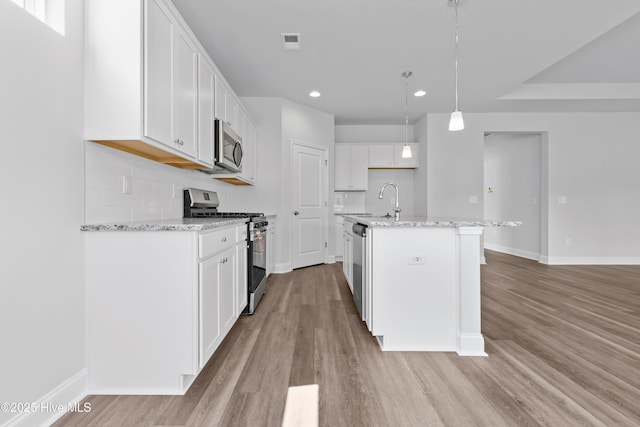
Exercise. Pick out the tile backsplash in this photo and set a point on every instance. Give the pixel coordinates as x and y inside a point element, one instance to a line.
<point>155,190</point>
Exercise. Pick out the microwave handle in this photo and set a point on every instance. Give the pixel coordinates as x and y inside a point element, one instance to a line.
<point>238,147</point>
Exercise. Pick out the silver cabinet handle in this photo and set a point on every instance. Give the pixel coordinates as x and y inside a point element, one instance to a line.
<point>296,213</point>
<point>178,141</point>
<point>224,239</point>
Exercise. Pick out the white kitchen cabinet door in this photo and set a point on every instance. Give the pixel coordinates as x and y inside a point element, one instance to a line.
<point>360,167</point>
<point>184,105</point>
<point>221,96</point>
<point>217,309</point>
<point>381,156</point>
<point>206,108</point>
<point>389,156</point>
<point>351,167</point>
<point>231,107</point>
<point>271,246</point>
<point>242,290</point>
<point>227,274</point>
<point>170,81</point>
<point>339,239</point>
<point>347,259</point>
<point>342,168</point>
<point>209,307</point>
<point>226,104</point>
<point>158,67</point>
<point>249,147</point>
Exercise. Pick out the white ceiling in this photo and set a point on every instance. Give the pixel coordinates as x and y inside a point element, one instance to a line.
<point>515,55</point>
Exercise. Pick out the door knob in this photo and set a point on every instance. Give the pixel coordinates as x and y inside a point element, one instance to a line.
<point>296,213</point>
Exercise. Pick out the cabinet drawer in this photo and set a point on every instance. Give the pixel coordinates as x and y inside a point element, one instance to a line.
<point>216,241</point>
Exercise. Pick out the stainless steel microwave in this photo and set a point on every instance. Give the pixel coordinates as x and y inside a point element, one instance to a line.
<point>227,148</point>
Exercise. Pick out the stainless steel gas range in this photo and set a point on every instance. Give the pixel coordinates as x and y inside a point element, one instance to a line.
<point>204,204</point>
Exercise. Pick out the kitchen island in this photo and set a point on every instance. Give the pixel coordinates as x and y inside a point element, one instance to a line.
<point>421,282</point>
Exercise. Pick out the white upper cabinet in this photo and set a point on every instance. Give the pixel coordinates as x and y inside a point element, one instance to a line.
<point>351,163</point>
<point>185,93</point>
<point>170,90</point>
<point>389,156</point>
<point>151,90</point>
<point>158,68</point>
<point>226,105</point>
<point>206,108</point>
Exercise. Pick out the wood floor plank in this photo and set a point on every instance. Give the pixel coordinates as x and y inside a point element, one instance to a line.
<point>563,346</point>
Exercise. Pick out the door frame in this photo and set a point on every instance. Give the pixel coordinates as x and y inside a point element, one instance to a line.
<point>325,194</point>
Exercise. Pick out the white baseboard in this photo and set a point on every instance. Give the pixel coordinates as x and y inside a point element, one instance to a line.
<point>470,345</point>
<point>331,259</point>
<point>284,267</point>
<point>590,260</point>
<point>56,403</point>
<point>512,251</point>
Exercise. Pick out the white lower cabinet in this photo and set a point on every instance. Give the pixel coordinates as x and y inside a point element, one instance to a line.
<point>347,260</point>
<point>159,304</point>
<point>271,246</point>
<point>216,294</point>
<point>242,286</point>
<point>339,231</point>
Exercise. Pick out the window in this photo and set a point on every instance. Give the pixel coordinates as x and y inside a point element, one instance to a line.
<point>51,12</point>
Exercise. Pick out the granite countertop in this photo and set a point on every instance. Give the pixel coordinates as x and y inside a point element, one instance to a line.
<point>352,213</point>
<point>423,221</point>
<point>175,224</point>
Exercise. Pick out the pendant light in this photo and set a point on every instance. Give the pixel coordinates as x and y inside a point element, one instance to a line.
<point>406,150</point>
<point>456,122</point>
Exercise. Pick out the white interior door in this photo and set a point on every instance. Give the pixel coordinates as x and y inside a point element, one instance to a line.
<point>309,176</point>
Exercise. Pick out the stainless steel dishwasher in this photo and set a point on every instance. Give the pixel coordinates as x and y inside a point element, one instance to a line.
<point>360,268</point>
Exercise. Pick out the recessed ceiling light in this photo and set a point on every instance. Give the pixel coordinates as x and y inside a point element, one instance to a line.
<point>314,94</point>
<point>420,93</point>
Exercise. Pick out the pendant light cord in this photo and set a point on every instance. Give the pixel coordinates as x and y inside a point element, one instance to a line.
<point>456,2</point>
<point>406,110</point>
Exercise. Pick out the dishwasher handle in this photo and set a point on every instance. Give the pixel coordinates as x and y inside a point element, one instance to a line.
<point>359,230</point>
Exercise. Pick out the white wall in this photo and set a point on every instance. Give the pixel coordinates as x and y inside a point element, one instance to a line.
<point>592,161</point>
<point>305,124</point>
<point>420,183</point>
<point>512,168</point>
<point>41,247</point>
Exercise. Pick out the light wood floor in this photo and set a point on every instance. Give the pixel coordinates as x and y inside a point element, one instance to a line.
<point>563,345</point>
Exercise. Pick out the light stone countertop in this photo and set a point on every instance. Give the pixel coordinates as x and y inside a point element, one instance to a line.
<point>423,221</point>
<point>175,224</point>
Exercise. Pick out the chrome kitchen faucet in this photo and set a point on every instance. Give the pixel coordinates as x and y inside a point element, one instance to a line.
<point>397,209</point>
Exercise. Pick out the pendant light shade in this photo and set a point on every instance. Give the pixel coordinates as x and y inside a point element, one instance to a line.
<point>406,150</point>
<point>456,122</point>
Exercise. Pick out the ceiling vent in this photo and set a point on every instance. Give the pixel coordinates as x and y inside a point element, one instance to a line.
<point>291,41</point>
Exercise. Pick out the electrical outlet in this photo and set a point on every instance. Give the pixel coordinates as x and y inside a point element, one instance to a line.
<point>126,184</point>
<point>416,259</point>
<point>473,200</point>
<point>176,190</point>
